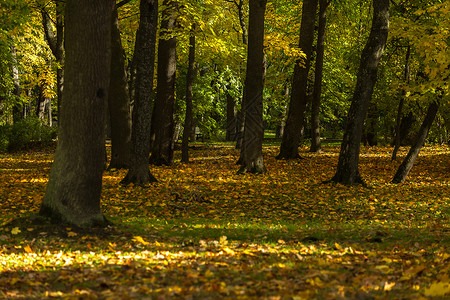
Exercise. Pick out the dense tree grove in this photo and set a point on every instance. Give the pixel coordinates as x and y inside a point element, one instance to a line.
<point>357,71</point>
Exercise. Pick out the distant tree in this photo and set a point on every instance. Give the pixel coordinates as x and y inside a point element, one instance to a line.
<point>144,56</point>
<point>75,183</point>
<point>318,74</point>
<point>251,152</point>
<point>297,105</point>
<point>162,120</point>
<point>119,102</point>
<point>188,119</point>
<point>55,41</point>
<point>408,162</point>
<point>347,169</point>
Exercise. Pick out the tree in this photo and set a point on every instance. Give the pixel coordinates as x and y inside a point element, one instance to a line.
<point>297,105</point>
<point>55,41</point>
<point>251,152</point>
<point>347,169</point>
<point>119,102</point>
<point>163,122</point>
<point>318,74</point>
<point>144,56</point>
<point>188,120</point>
<point>75,183</point>
<point>408,162</point>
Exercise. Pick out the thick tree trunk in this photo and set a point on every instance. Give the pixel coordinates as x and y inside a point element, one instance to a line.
<point>251,152</point>
<point>189,106</point>
<point>397,136</point>
<point>119,102</point>
<point>75,183</point>
<point>315,106</point>
<point>163,122</point>
<point>144,55</point>
<point>297,106</point>
<point>347,170</point>
<point>411,157</point>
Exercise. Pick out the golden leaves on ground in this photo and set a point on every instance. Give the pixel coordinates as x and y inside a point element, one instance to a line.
<point>204,231</point>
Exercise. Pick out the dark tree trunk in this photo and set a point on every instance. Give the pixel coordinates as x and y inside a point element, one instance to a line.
<point>397,136</point>
<point>315,105</point>
<point>370,129</point>
<point>231,118</point>
<point>347,170</point>
<point>251,152</point>
<point>144,55</point>
<point>163,122</point>
<point>241,114</point>
<point>75,183</point>
<point>411,157</point>
<point>297,106</point>
<point>119,102</point>
<point>189,106</point>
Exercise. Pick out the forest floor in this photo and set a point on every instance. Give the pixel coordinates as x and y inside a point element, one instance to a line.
<point>204,232</point>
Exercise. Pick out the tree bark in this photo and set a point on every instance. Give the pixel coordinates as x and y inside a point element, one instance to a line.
<point>347,170</point>
<point>251,152</point>
<point>411,157</point>
<point>163,122</point>
<point>315,106</point>
<point>119,102</point>
<point>144,55</point>
<point>297,106</point>
<point>75,183</point>
<point>189,106</point>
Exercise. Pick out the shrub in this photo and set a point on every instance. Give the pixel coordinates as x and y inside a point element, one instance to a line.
<point>30,131</point>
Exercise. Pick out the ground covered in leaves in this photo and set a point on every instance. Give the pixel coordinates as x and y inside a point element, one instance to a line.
<point>205,232</point>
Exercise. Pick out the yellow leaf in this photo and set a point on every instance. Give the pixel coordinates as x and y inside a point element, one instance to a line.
<point>388,286</point>
<point>72,234</point>
<point>139,239</point>
<point>28,249</point>
<point>15,230</point>
<point>337,246</point>
<point>228,251</point>
<point>438,289</point>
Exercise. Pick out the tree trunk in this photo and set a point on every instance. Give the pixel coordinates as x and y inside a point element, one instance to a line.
<point>144,55</point>
<point>18,109</point>
<point>231,118</point>
<point>370,128</point>
<point>188,119</point>
<point>398,137</point>
<point>297,106</point>
<point>119,102</point>
<point>315,109</point>
<point>163,122</point>
<point>347,170</point>
<point>251,152</point>
<point>411,157</point>
<point>75,183</point>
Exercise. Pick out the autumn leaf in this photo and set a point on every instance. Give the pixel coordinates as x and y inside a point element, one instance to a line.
<point>437,289</point>
<point>15,230</point>
<point>139,239</point>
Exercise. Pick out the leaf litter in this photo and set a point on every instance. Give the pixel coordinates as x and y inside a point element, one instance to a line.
<point>203,231</point>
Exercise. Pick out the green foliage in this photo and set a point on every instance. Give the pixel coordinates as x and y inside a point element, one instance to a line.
<point>24,134</point>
